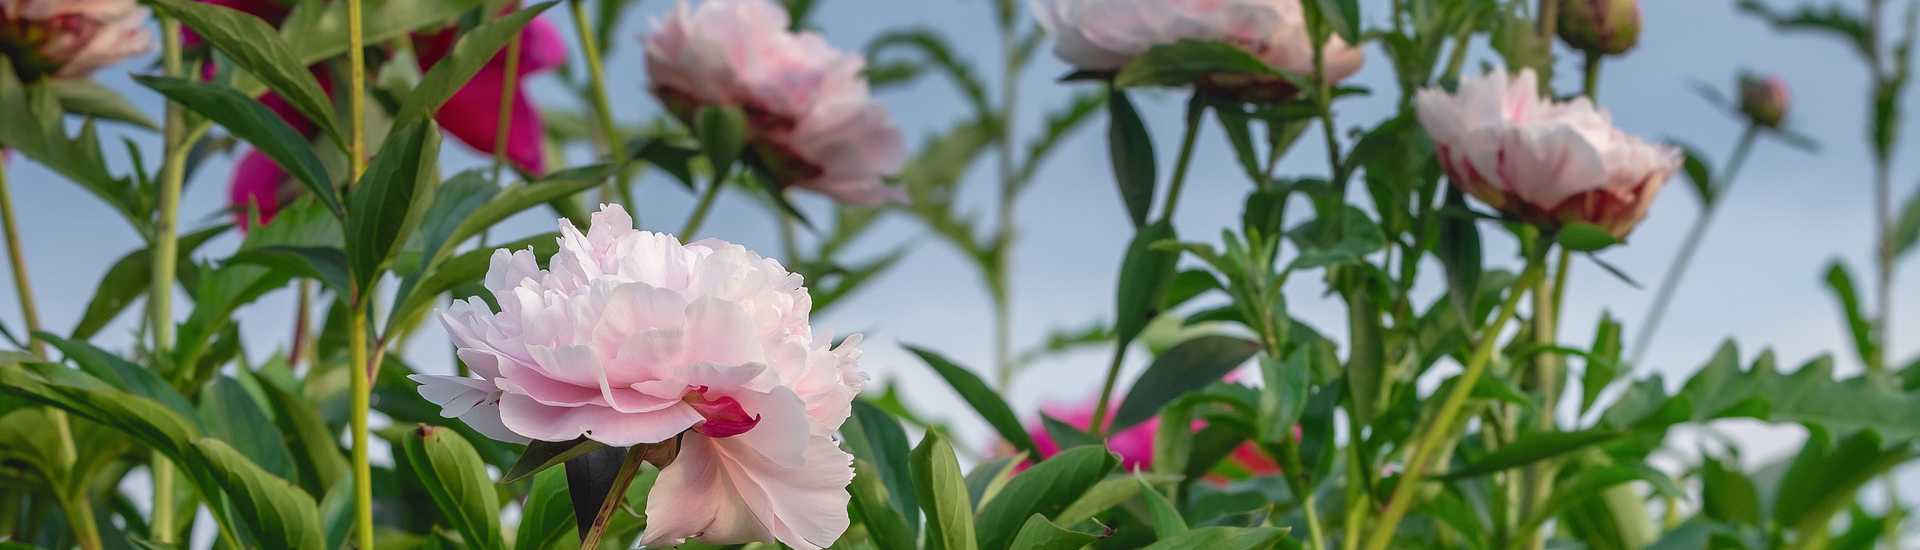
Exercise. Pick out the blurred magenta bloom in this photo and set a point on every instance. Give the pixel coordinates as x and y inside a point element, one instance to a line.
<point>256,187</point>
<point>812,122</point>
<point>473,113</point>
<point>1545,162</point>
<point>632,338</point>
<point>1135,444</point>
<point>272,11</point>
<point>71,38</point>
<point>1104,35</point>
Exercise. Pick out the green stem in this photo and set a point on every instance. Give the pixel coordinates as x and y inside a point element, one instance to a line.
<point>1547,376</point>
<point>1009,171</point>
<point>1671,281</point>
<point>1185,160</point>
<point>602,108</point>
<point>508,89</point>
<point>361,387</point>
<point>615,496</point>
<point>1549,17</point>
<point>86,531</point>
<point>1098,424</point>
<point>164,254</point>
<point>699,215</point>
<point>1591,85</point>
<point>1436,432</point>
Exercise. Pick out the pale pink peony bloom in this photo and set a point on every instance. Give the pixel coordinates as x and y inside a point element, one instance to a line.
<point>1545,162</point>
<point>1104,35</point>
<point>632,338</point>
<point>812,122</point>
<point>72,38</point>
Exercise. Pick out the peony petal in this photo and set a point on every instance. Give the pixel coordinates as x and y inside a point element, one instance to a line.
<point>723,491</point>
<point>472,114</point>
<point>530,418</point>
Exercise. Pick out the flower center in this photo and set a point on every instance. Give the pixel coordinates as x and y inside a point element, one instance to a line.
<point>724,416</point>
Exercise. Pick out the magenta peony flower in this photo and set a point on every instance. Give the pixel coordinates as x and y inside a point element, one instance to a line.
<point>632,338</point>
<point>1545,162</point>
<point>473,113</point>
<point>812,122</point>
<point>257,186</point>
<point>71,38</point>
<point>1104,35</point>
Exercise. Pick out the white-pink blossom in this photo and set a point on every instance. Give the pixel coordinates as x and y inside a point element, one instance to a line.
<point>1543,161</point>
<point>1104,35</point>
<point>632,338</point>
<point>73,38</point>
<point>812,122</point>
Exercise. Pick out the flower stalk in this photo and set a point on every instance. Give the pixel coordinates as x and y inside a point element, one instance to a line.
<point>602,108</point>
<point>360,375</point>
<point>164,254</point>
<point>1670,282</point>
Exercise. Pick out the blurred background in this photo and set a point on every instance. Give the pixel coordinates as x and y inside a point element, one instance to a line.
<point>1758,279</point>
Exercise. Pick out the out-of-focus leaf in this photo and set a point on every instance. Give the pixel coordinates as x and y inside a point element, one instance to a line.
<point>254,122</point>
<point>1603,365</point>
<point>1728,495</point>
<point>1060,123</point>
<point>1841,283</point>
<point>984,400</point>
<point>1108,493</point>
<point>1046,489</point>
<point>875,436</point>
<point>1531,448</point>
<point>943,495</point>
<point>1832,19</point>
<point>934,49</point>
<point>547,516</point>
<point>1189,366</point>
<point>278,514</point>
<point>129,278</point>
<point>1130,146</point>
<point>254,45</point>
<point>1145,274</point>
<point>1366,366</point>
<point>1040,534</point>
<point>37,129</point>
<point>1583,237</point>
<point>317,31</point>
<point>1180,63</point>
<point>885,523</point>
<point>1906,232</point>
<point>723,134</point>
<point>456,478</point>
<point>989,477</point>
<point>122,374</point>
<point>315,446</point>
<point>1223,538</point>
<point>1809,395</point>
<point>1459,251</point>
<point>86,97</point>
<point>1167,522</point>
<point>231,415</point>
<point>1700,175</point>
<point>1827,474</point>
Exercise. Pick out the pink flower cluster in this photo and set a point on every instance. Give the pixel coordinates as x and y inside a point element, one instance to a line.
<point>632,338</point>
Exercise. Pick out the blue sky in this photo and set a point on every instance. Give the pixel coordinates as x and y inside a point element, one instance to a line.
<point>1757,280</point>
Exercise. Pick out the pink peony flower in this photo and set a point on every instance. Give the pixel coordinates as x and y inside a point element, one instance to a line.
<point>257,186</point>
<point>1545,162</point>
<point>812,122</point>
<point>473,113</point>
<point>1104,35</point>
<point>71,38</point>
<point>633,338</point>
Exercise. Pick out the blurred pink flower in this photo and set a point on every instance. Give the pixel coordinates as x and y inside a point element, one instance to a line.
<point>71,38</point>
<point>1135,444</point>
<point>811,120</point>
<point>256,187</point>
<point>632,338</point>
<point>1764,100</point>
<point>1104,35</point>
<point>473,113</point>
<point>272,11</point>
<point>1545,162</point>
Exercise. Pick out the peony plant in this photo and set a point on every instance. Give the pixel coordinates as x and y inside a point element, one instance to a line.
<point>613,382</point>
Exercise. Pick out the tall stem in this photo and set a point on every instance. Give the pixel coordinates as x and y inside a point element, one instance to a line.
<point>616,495</point>
<point>699,215</point>
<point>597,80</point>
<point>359,376</point>
<point>164,254</point>
<point>1436,433</point>
<point>81,513</point>
<point>1009,172</point>
<point>1671,281</point>
<point>1547,377</point>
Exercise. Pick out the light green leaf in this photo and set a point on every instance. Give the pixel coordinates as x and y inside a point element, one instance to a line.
<point>1223,538</point>
<point>943,495</point>
<point>1040,534</point>
<point>456,478</point>
<point>1046,489</point>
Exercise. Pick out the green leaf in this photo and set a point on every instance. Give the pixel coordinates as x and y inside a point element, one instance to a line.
<point>1460,255</point>
<point>256,47</point>
<point>37,127</point>
<point>1108,493</point>
<point>934,48</point>
<point>1189,366</point>
<point>1827,474</point>
<point>983,399</point>
<point>278,514</point>
<point>1065,435</point>
<point>474,48</point>
<point>1343,16</point>
<point>722,131</point>
<point>1046,489</point>
<point>1841,282</point>
<point>1359,236</point>
<point>465,268</point>
<point>252,121</point>
<point>390,198</point>
<point>1130,146</point>
<point>1833,19</point>
<point>1603,365</point>
<point>317,31</point>
<point>1728,495</point>
<point>129,278</point>
<point>1223,538</point>
<point>1906,232</point>
<point>943,495</point>
<point>456,478</point>
<point>1584,237</point>
<point>453,202</point>
<point>320,263</point>
<point>1530,448</point>
<point>1145,274</point>
<point>513,200</point>
<point>547,516</point>
<point>1167,522</point>
<point>885,522</point>
<point>89,98</point>
<point>1284,396</point>
<point>1581,487</point>
<point>541,455</point>
<point>121,374</point>
<point>1700,175</point>
<point>989,477</point>
<point>1366,366</point>
<point>1039,534</point>
<point>1809,395</point>
<point>230,414</point>
<point>1180,63</point>
<point>314,445</point>
<point>875,436</point>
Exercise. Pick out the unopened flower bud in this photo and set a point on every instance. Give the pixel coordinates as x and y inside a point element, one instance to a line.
<point>1608,27</point>
<point>1763,99</point>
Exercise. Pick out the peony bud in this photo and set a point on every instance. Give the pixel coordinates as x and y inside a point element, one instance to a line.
<point>1608,27</point>
<point>633,338</point>
<point>71,38</point>
<point>1102,36</point>
<point>811,122</point>
<point>1764,100</point>
<point>1544,162</point>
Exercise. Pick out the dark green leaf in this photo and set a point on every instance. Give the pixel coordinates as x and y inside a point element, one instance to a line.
<point>547,516</point>
<point>129,278</point>
<point>1130,147</point>
<point>230,414</point>
<point>1284,396</point>
<point>1841,282</point>
<point>943,495</point>
<point>1189,366</point>
<point>885,522</point>
<point>1728,495</point>
<point>1046,489</point>
<point>1459,252</point>
<point>457,479</point>
<point>875,436</point>
<point>1145,274</point>
<point>1906,232</point>
<point>723,134</point>
<point>541,455</point>
<point>314,445</point>
<point>1343,16</point>
<point>252,121</point>
<point>1167,522</point>
<point>325,264</point>
<point>254,45</point>
<point>390,198</point>
<point>1366,366</point>
<point>1066,435</point>
<point>1180,63</point>
<point>1701,176</point>
<point>1530,448</point>
<point>121,374</point>
<point>984,400</point>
